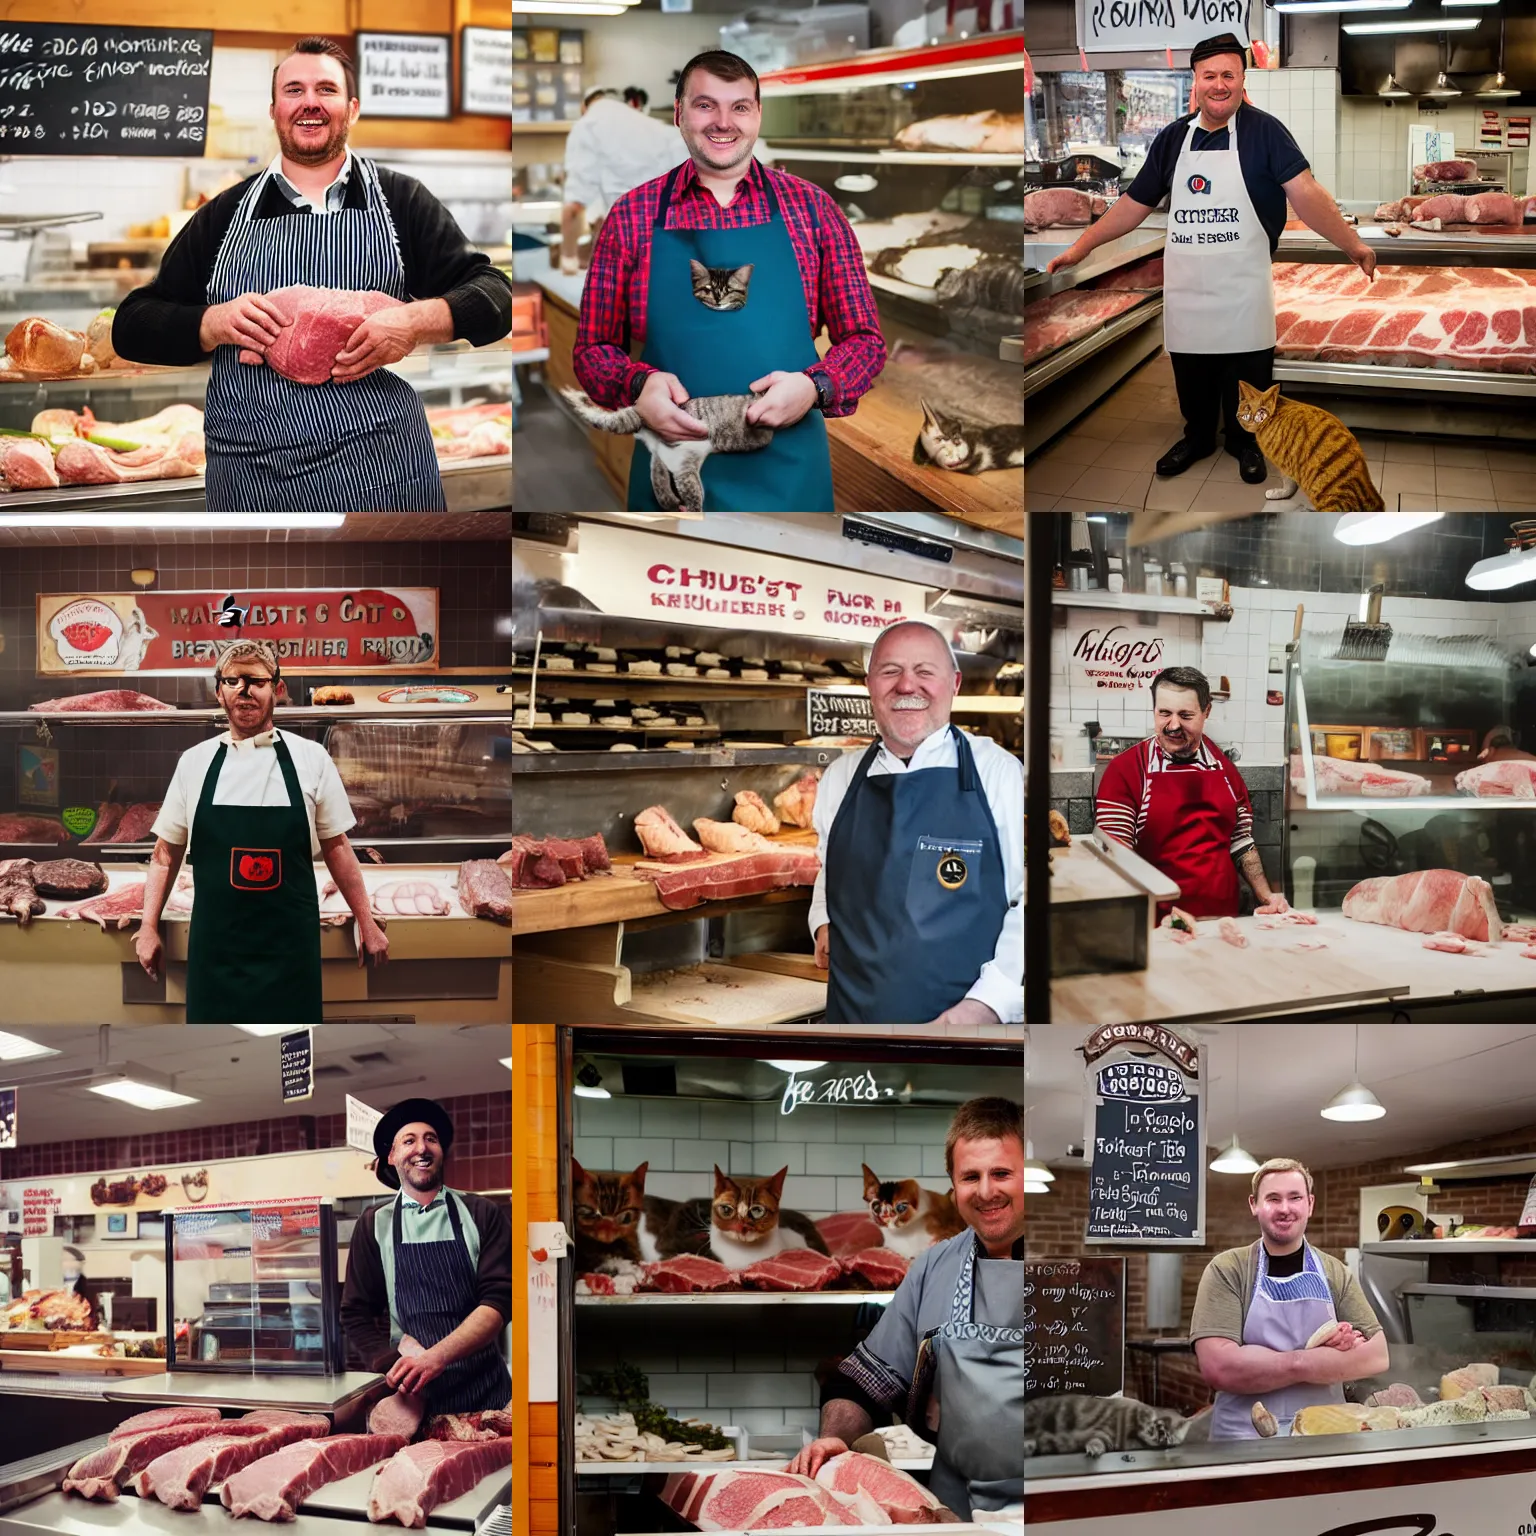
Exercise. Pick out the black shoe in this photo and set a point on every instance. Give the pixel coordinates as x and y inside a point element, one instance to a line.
<point>1181,456</point>
<point>1251,465</point>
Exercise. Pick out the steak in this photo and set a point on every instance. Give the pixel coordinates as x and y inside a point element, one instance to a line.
<point>1053,206</point>
<point>109,700</point>
<point>533,866</point>
<point>102,1474</point>
<point>487,1424</point>
<point>69,879</point>
<point>485,890</point>
<point>116,909</point>
<point>745,875</point>
<point>1427,901</point>
<point>1057,321</point>
<point>688,1273</point>
<point>881,1267</point>
<point>796,1269</point>
<point>317,324</point>
<point>181,1477</point>
<point>752,1501</point>
<point>400,1413</point>
<point>581,856</point>
<point>662,838</point>
<point>416,1480</point>
<point>18,892</point>
<point>108,814</point>
<point>903,1498</point>
<point>849,1232</point>
<point>1481,319</point>
<point>1337,776</point>
<point>164,1418</point>
<point>31,829</point>
<point>1513,779</point>
<point>135,823</point>
<point>274,1487</point>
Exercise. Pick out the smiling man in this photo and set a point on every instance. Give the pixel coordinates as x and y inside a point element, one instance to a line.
<point>918,911</point>
<point>1260,1307</point>
<point>323,217</point>
<point>723,211</point>
<point>948,1352</point>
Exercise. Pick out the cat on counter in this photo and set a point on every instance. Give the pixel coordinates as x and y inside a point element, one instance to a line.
<point>911,1219</point>
<point>1313,450</point>
<point>747,1223</point>
<point>1075,1424</point>
<point>967,448</point>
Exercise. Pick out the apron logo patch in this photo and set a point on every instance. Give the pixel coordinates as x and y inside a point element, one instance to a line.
<point>1200,184</point>
<point>952,872</point>
<point>255,869</point>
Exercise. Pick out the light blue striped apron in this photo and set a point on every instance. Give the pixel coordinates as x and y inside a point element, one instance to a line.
<point>277,446</point>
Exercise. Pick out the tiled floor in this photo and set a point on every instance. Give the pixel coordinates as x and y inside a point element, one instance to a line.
<point>1105,464</point>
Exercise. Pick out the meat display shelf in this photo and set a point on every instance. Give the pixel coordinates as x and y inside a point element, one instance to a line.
<point>1062,361</point>
<point>1370,377</point>
<point>629,730</point>
<point>892,156</point>
<point>301,1394</point>
<point>551,675</point>
<point>1417,247</point>
<point>1040,246</point>
<point>986,53</point>
<point>1443,1247</point>
<point>1133,602</point>
<point>134,376</point>
<point>743,1299</point>
<point>767,1464</point>
<point>1416,803</point>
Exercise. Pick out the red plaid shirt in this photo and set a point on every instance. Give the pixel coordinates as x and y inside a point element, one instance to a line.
<point>837,293</point>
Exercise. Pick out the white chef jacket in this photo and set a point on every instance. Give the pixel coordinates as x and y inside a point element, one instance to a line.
<point>1001,982</point>
<point>251,775</point>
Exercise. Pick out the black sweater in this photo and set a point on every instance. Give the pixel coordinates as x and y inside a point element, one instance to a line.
<point>159,323</point>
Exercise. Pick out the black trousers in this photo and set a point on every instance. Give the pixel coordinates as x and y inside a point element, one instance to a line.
<point>1207,386</point>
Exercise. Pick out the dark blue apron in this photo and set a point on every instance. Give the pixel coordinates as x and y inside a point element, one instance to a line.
<point>720,352</point>
<point>915,892</point>
<point>435,1291</point>
<point>277,446</point>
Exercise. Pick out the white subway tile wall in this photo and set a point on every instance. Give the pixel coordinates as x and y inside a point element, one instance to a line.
<point>1373,144</point>
<point>1307,102</point>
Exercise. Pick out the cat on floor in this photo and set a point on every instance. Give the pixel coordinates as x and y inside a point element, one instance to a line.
<point>966,447</point>
<point>911,1219</point>
<point>1313,450</point>
<point>676,468</point>
<point>1076,1424</point>
<point>722,288</point>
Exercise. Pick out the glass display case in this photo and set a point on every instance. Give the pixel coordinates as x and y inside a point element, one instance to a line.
<point>1114,113</point>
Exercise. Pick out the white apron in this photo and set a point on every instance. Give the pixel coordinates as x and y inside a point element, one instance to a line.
<point>1218,295</point>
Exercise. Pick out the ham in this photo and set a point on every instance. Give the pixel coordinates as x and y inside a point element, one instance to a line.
<point>1446,170</point>
<point>662,838</point>
<point>754,815</point>
<point>27,465</point>
<point>317,324</point>
<point>747,875</point>
<point>1514,779</point>
<point>753,1500</point>
<point>1427,901</point>
<point>1338,776</point>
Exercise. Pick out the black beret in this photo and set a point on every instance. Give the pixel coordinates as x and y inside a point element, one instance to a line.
<point>1223,42</point>
<point>408,1112</point>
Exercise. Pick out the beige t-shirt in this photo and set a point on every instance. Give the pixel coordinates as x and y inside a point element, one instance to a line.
<point>1221,1304</point>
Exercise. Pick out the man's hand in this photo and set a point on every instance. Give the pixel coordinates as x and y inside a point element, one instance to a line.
<point>659,405</point>
<point>1070,257</point>
<point>824,946</point>
<point>809,1462</point>
<point>1343,1337</point>
<point>1363,257</point>
<point>967,1011</point>
<point>782,399</point>
<point>374,946</point>
<point>150,951</point>
<point>252,321</point>
<point>384,337</point>
<point>1273,905</point>
<point>413,1373</point>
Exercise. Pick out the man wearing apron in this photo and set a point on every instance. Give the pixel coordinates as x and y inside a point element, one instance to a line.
<point>358,442</point>
<point>429,1278</point>
<point>1179,801</point>
<point>917,914</point>
<point>1228,176</point>
<point>947,1355</point>
<point>1278,1323</point>
<point>723,211</point>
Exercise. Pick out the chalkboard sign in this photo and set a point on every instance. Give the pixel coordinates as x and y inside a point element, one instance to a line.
<point>485,66</point>
<point>404,74</point>
<point>1074,1326</point>
<point>839,712</point>
<point>71,90</point>
<point>1147,1144</point>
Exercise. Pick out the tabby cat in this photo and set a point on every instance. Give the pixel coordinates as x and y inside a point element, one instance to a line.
<point>720,287</point>
<point>676,480</point>
<point>1311,446</point>
<point>947,442</point>
<point>748,1224</point>
<point>619,1226</point>
<point>911,1218</point>
<point>1076,1424</point>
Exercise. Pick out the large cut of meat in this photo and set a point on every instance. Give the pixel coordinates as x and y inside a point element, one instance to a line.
<point>27,465</point>
<point>181,1477</point>
<point>729,837</point>
<point>880,1267</point>
<point>164,1418</point>
<point>978,133</point>
<point>688,1273</point>
<point>69,879</point>
<point>18,891</point>
<point>849,1232</point>
<point>110,700</point>
<point>750,1500</point>
<point>400,1413</point>
<point>533,866</point>
<point>796,803</point>
<point>1514,779</point>
<point>135,824</point>
<point>1479,208</point>
<point>748,875</point>
<point>416,1480</point>
<point>39,346</point>
<point>1446,170</point>
<point>1338,776</point>
<point>31,829</point>
<point>1052,206</point>
<point>274,1487</point>
<point>317,324</point>
<point>115,910</point>
<point>796,1269</point>
<point>662,838</point>
<point>1481,319</point>
<point>485,1424</point>
<point>753,814</point>
<point>485,890</point>
<point>83,463</point>
<point>1427,901</point>
<point>102,1474</point>
<point>1140,274</point>
<point>1063,318</point>
<point>903,1498</point>
<point>108,814</point>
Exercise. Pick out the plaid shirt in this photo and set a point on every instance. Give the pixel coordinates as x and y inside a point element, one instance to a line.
<point>837,293</point>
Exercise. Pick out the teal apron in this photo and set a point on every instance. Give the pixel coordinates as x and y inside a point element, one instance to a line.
<point>253,955</point>
<point>720,352</point>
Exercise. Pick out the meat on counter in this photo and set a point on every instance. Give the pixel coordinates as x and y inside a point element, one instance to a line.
<point>485,890</point>
<point>18,891</point>
<point>69,879</point>
<point>542,863</point>
<point>274,1487</point>
<point>796,804</point>
<point>417,1479</point>
<point>976,133</point>
<point>1050,207</point>
<point>754,815</point>
<point>1427,901</point>
<point>1059,319</point>
<point>1514,779</point>
<point>107,701</point>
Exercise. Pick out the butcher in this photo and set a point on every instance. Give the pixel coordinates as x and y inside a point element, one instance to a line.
<point>255,806</point>
<point>317,216</point>
<point>429,1274</point>
<point>1278,1322</point>
<point>918,910</point>
<point>721,208</point>
<point>1178,800</point>
<point>947,1355</point>
<point>1500,745</point>
<point>1228,171</point>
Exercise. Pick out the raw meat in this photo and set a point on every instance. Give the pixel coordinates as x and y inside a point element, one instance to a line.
<point>1057,321</point>
<point>1473,318</point>
<point>82,463</point>
<point>102,1474</point>
<point>1231,933</point>
<point>163,1418</point>
<point>1453,944</point>
<point>687,1273</point>
<point>754,815</point>
<point>729,837</point>
<point>748,875</point>
<point>108,814</point>
<point>1446,170</point>
<point>1455,208</point>
<point>409,898</point>
<point>31,829</point>
<point>18,892</point>
<point>1287,919</point>
<point>1501,1399</point>
<point>181,1477</point>
<point>486,1424</point>
<point>116,910</point>
<point>400,1413</point>
<point>796,1269</point>
<point>1182,928</point>
<point>485,890</point>
<point>1427,901</point>
<point>1337,776</point>
<point>416,1480</point>
<point>135,823</point>
<point>69,879</point>
<point>581,856</point>
<point>1140,274</point>
<point>662,838</point>
<point>1468,1379</point>
<point>1051,207</point>
<point>850,1232</point>
<point>976,133</point>
<point>795,804</point>
<point>752,1501</point>
<point>109,701</point>
<point>1515,779</point>
<point>1403,208</point>
<point>882,1268</point>
<point>39,346</point>
<point>903,1498</point>
<point>317,324</point>
<point>1398,1395</point>
<point>27,465</point>
<point>533,866</point>
<point>274,1487</point>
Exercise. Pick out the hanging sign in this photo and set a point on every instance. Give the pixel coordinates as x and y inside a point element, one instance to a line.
<point>839,712</point>
<point>38,1204</point>
<point>485,68</point>
<point>296,1055</point>
<point>1118,26</point>
<point>361,1119</point>
<point>1074,1326</point>
<point>315,629</point>
<point>7,1119</point>
<point>404,74</point>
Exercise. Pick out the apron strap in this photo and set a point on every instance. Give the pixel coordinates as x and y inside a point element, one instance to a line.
<point>290,774</point>
<point>211,778</point>
<point>670,185</point>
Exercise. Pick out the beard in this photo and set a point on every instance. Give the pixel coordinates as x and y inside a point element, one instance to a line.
<point>317,152</point>
<point>719,157</point>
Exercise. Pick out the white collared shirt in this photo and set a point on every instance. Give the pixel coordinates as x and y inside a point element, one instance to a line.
<point>252,775</point>
<point>335,194</point>
<point>1001,982</point>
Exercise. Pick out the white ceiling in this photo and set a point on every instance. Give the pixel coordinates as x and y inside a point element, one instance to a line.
<point>1439,1084</point>
<point>234,1076</point>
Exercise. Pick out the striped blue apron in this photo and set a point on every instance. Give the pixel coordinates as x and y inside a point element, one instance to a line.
<point>277,446</point>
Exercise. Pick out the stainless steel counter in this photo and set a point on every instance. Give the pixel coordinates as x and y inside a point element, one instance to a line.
<point>1145,240</point>
<point>312,1394</point>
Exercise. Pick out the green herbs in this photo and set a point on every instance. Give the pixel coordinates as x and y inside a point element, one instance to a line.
<point>630,1388</point>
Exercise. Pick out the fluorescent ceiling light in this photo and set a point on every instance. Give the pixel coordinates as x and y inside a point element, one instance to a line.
<point>1233,1159</point>
<point>19,1048</point>
<point>1378,527</point>
<point>175,520</point>
<point>1442,24</point>
<point>1345,7</point>
<point>1355,1102</point>
<point>141,1095</point>
<point>1469,2</point>
<point>583,1092</point>
<point>1500,571</point>
<point>569,8</point>
<point>793,1067</point>
<point>266,1029</point>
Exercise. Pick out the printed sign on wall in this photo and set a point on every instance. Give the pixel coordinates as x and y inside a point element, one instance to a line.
<point>1119,657</point>
<point>1116,26</point>
<point>485,63</point>
<point>405,74</point>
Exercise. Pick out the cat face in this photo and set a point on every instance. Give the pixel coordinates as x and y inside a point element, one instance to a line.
<point>1160,1427</point>
<point>747,1209</point>
<point>943,438</point>
<point>722,288</point>
<point>608,1206</point>
<point>1256,406</point>
<point>892,1204</point>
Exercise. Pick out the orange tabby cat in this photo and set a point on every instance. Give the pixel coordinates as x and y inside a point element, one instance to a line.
<point>912,1218</point>
<point>1311,446</point>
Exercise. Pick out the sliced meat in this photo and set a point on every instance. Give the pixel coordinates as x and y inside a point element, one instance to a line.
<point>276,1486</point>
<point>1453,944</point>
<point>687,1273</point>
<point>747,875</point>
<point>136,823</point>
<point>416,1480</point>
<point>662,838</point>
<point>108,814</point>
<point>751,1500</point>
<point>1231,933</point>
<point>27,465</point>
<point>101,1475</point>
<point>400,1413</point>
<point>880,1267</point>
<point>902,1498</point>
<point>487,1424</point>
<point>410,898</point>
<point>69,879</point>
<point>161,1418</point>
<point>754,815</point>
<point>181,1477</point>
<point>116,909</point>
<point>796,1269</point>
<point>533,866</point>
<point>31,829</point>
<point>1514,779</point>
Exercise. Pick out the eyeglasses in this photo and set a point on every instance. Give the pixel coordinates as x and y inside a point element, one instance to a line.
<point>244,682</point>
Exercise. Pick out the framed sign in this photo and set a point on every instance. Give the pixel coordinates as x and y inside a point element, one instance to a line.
<point>1074,1326</point>
<point>839,712</point>
<point>485,72</point>
<point>405,74</point>
<point>1122,26</point>
<point>37,775</point>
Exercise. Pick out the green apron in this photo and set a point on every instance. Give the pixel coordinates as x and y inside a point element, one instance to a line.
<point>720,352</point>
<point>253,956</point>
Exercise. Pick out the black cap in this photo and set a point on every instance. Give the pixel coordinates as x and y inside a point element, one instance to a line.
<point>1223,42</point>
<point>407,1112</point>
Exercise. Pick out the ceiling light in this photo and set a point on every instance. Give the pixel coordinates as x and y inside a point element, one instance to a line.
<point>1392,88</point>
<point>506,1061</point>
<point>141,1095</point>
<point>1378,527</point>
<point>569,8</point>
<point>176,520</point>
<point>261,1030</point>
<point>1500,571</point>
<point>1355,1102</point>
<point>1498,88</point>
<point>1443,87</point>
<point>795,1067</point>
<point>1441,24</point>
<point>1036,1187</point>
<point>1469,2</point>
<point>1344,7</point>
<point>1035,1170</point>
<point>1233,1159</point>
<point>19,1048</point>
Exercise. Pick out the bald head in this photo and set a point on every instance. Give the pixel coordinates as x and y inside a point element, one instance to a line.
<point>922,632</point>
<point>913,680</point>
